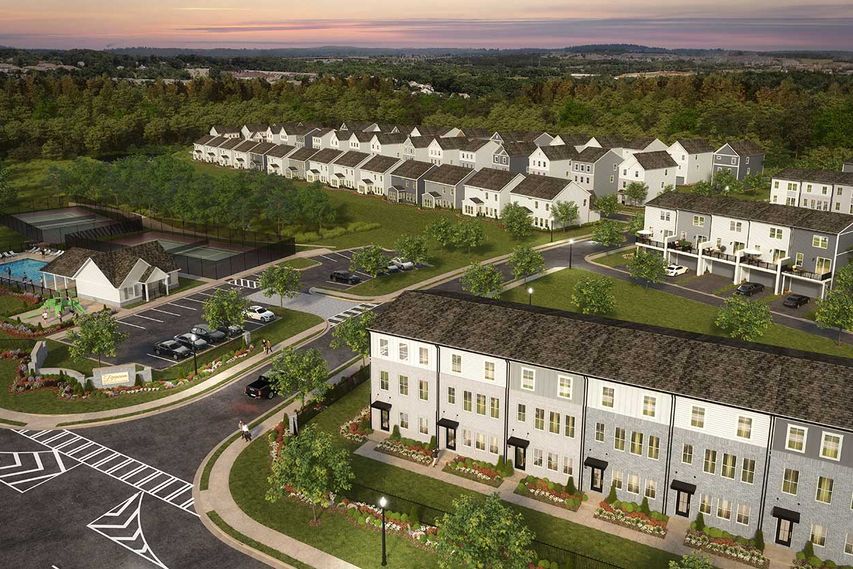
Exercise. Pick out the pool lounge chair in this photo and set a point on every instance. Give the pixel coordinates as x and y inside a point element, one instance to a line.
<point>33,250</point>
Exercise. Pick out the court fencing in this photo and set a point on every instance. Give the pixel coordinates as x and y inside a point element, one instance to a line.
<point>37,288</point>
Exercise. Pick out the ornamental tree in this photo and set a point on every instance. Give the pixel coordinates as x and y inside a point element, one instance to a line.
<point>608,233</point>
<point>370,260</point>
<point>607,205</point>
<point>564,213</point>
<point>96,335</point>
<point>311,465</point>
<point>743,319</point>
<point>413,248</point>
<point>283,280</point>
<point>224,308</point>
<point>526,261</point>
<point>304,372</point>
<point>441,232</point>
<point>482,280</point>
<point>517,221</point>
<point>647,268</point>
<point>836,311</point>
<point>594,295</point>
<point>468,235</point>
<point>637,192</point>
<point>353,333</point>
<point>483,533</point>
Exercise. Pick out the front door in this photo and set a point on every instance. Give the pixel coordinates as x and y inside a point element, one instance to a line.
<point>597,483</point>
<point>784,531</point>
<point>520,458</point>
<point>682,505</point>
<point>450,439</point>
<point>384,421</point>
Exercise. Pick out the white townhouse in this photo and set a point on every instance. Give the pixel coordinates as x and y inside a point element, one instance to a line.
<point>319,167</point>
<point>435,131</point>
<point>359,141</point>
<point>692,423</point>
<point>579,141</point>
<point>226,151</point>
<point>654,169</point>
<point>345,171</point>
<point>240,154</point>
<point>813,189</point>
<point>388,144</point>
<point>487,192</point>
<point>417,148</point>
<point>273,133</point>
<point>210,150</point>
<point>539,194</point>
<point>445,150</point>
<point>695,158</point>
<point>321,138</point>
<point>225,131</point>
<point>375,175</point>
<point>254,131</point>
<point>339,139</point>
<point>277,159</point>
<point>200,147</point>
<point>618,144</point>
<point>477,153</point>
<point>554,161</point>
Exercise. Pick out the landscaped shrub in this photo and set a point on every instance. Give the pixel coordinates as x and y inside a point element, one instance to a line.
<point>90,387</point>
<point>808,550</point>
<point>432,443</point>
<point>644,506</point>
<point>611,496</point>
<point>570,486</point>
<point>700,522</point>
<point>395,433</point>
<point>758,539</point>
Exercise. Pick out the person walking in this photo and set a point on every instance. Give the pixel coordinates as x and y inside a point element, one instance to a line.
<point>247,434</point>
<point>241,426</point>
<point>434,456</point>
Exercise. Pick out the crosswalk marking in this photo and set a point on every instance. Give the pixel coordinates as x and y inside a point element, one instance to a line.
<point>112,463</point>
<point>245,283</point>
<point>30,469</point>
<point>351,313</point>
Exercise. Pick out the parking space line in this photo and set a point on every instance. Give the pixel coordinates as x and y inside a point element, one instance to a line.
<point>193,300</point>
<point>148,318</point>
<point>182,306</point>
<point>340,255</point>
<point>165,312</point>
<point>187,503</point>
<point>204,294</point>
<point>363,274</point>
<point>328,258</point>
<point>340,284</point>
<point>159,357</point>
<point>129,324</point>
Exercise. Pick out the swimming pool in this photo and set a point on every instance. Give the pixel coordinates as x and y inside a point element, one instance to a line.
<point>30,268</point>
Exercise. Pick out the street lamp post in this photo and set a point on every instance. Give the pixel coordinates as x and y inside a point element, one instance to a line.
<point>530,295</point>
<point>195,361</point>
<point>571,251</point>
<point>383,502</point>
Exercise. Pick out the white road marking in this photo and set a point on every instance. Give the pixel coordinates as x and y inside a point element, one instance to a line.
<point>356,310</point>
<point>148,318</point>
<point>341,255</point>
<point>129,324</point>
<point>31,469</point>
<point>204,293</point>
<point>328,258</point>
<point>160,358</point>
<point>165,312</point>
<point>363,274</point>
<point>193,300</point>
<point>182,306</point>
<point>123,525</point>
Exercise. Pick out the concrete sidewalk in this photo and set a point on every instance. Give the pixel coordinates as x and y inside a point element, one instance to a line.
<point>218,498</point>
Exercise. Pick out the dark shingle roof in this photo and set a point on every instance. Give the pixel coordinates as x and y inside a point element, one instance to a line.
<point>613,141</point>
<point>303,153</point>
<point>222,129</point>
<point>695,145</point>
<point>433,130</point>
<point>491,179</point>
<point>215,141</point>
<point>204,139</point>
<point>256,127</point>
<point>280,150</point>
<point>519,148</point>
<point>561,152</point>
<point>543,187</point>
<point>574,139</point>
<point>297,130</point>
<point>390,138</point>
<point>380,163</point>
<point>591,154</point>
<point>478,133</point>
<point>448,174</point>
<point>263,148</point>
<point>421,141</point>
<point>362,136</point>
<point>69,262</point>
<point>322,131</point>
<point>115,265</point>
<point>776,214</point>
<point>451,143</point>
<point>821,176</point>
<point>326,155</point>
<point>640,142</point>
<point>745,147</point>
<point>655,160</point>
<point>762,378</point>
<point>246,145</point>
<point>351,159</point>
<point>231,143</point>
<point>412,169</point>
<point>474,145</point>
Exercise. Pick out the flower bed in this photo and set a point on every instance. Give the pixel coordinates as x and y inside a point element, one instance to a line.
<point>370,516</point>
<point>549,492</point>
<point>627,514</point>
<point>28,332</point>
<point>357,428</point>
<point>477,470</point>
<point>726,546</point>
<point>407,449</point>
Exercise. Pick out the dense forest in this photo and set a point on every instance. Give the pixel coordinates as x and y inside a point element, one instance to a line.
<point>801,118</point>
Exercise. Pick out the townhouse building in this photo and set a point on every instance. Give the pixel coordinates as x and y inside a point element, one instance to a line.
<point>321,138</point>
<point>375,175</point>
<point>741,158</point>
<point>597,170</point>
<point>297,162</point>
<point>487,192</point>
<point>240,154</point>
<point>225,131</point>
<point>814,189</point>
<point>783,247</point>
<point>435,131</point>
<point>209,150</point>
<point>258,155</point>
<point>444,186</point>
<point>200,146</point>
<point>254,131</point>
<point>277,159</point>
<point>407,182</point>
<point>360,141</point>
<point>445,150</point>
<point>299,135</point>
<point>554,161</point>
<point>579,141</point>
<point>318,168</point>
<point>655,169</point>
<point>693,423</point>
<point>846,167</point>
<point>694,157</point>
<point>339,140</point>
<point>617,144</point>
<point>226,150</point>
<point>345,169</point>
<point>477,153</point>
<point>273,133</point>
<point>538,194</point>
<point>417,148</point>
<point>388,144</point>
<point>513,156</point>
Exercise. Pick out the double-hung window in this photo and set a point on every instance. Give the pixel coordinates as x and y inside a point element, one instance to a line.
<point>495,407</point>
<point>481,404</point>
<point>570,426</point>
<point>619,438</point>
<point>554,422</point>
<point>729,466</point>
<point>539,420</point>
<point>466,401</point>
<point>564,387</point>
<point>404,385</point>
<point>710,464</point>
<point>654,447</point>
<point>636,443</point>
<point>423,390</point>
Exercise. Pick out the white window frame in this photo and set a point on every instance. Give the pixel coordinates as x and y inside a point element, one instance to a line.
<point>788,438</point>
<point>650,400</point>
<point>746,514</point>
<point>403,351</point>
<point>817,489</point>
<point>693,410</point>
<point>823,443</point>
<point>489,372</point>
<point>823,535</point>
<point>684,453</point>
<point>795,483</point>
<point>563,391</point>
<point>605,391</point>
<point>456,363</point>
<point>383,347</point>
<point>532,385</point>
<point>423,356</point>
<point>748,420</point>
<point>617,479</point>
<point>633,480</point>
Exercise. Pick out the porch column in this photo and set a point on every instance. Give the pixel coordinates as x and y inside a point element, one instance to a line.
<point>666,247</point>
<point>700,260</point>
<point>146,292</point>
<point>166,282</point>
<point>738,256</point>
<point>777,288</point>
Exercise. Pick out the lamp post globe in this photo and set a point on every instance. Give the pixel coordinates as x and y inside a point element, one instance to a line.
<point>530,295</point>
<point>383,503</point>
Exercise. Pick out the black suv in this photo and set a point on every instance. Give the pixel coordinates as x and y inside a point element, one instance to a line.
<point>748,289</point>
<point>261,388</point>
<point>171,349</point>
<point>795,300</point>
<point>204,332</point>
<point>345,277</point>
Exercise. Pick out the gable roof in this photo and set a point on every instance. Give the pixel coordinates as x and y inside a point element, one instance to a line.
<point>297,129</point>
<point>303,154</point>
<point>432,130</point>
<point>822,176</point>
<point>472,132</point>
<point>655,160</point>
<point>447,174</point>
<point>766,379</point>
<point>475,144</point>
<point>559,152</point>
<point>222,129</point>
<point>412,169</point>
<point>115,265</point>
<point>215,141</point>
<point>322,131</point>
<point>450,143</point>
<point>281,150</point>
<point>362,136</point>
<point>574,139</point>
<point>695,145</point>
<point>204,139</point>
<point>591,154</point>
<point>380,163</point>
<point>263,148</point>
<point>246,145</point>
<point>351,158</point>
<point>743,147</point>
<point>390,138</point>
<point>69,263</point>
<point>420,141</point>
<point>776,214</point>
<point>611,141</point>
<point>640,142</point>
<point>491,179</point>
<point>230,143</point>
<point>326,155</point>
<point>542,187</point>
<point>518,148</point>
<point>256,127</point>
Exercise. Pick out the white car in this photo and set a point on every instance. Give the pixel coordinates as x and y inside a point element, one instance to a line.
<point>403,265</point>
<point>259,313</point>
<point>675,270</point>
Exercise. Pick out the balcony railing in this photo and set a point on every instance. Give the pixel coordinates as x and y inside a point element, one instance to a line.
<point>748,260</point>
<point>648,241</point>
<point>807,274</point>
<point>716,254</point>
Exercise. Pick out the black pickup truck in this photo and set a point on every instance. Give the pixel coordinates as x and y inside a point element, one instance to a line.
<point>261,388</point>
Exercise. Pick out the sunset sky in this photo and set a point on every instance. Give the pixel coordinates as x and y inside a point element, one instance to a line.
<point>742,24</point>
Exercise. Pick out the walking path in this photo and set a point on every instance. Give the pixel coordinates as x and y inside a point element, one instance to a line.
<point>217,498</point>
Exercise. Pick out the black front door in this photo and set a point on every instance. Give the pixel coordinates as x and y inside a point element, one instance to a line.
<point>384,421</point>
<point>784,531</point>
<point>597,481</point>
<point>520,458</point>
<point>682,504</point>
<point>450,439</point>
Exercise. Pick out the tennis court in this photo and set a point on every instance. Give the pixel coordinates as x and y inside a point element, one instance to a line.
<point>197,249</point>
<point>52,225</point>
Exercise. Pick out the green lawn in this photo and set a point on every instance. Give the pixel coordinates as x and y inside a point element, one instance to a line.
<point>248,482</point>
<point>11,305</point>
<point>649,306</point>
<point>186,283</point>
<point>11,240</point>
<point>301,263</point>
<point>615,259</point>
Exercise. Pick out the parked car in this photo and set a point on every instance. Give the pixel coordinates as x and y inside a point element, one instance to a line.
<point>171,349</point>
<point>231,331</point>
<point>402,264</point>
<point>259,313</point>
<point>391,268</point>
<point>345,277</point>
<point>191,341</point>
<point>748,289</point>
<point>213,336</point>
<point>675,270</point>
<point>795,300</point>
<point>261,388</point>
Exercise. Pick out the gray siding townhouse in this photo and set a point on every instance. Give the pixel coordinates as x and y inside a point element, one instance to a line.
<point>597,170</point>
<point>693,423</point>
<point>786,248</point>
<point>375,175</point>
<point>258,156</point>
<point>513,156</point>
<point>477,153</point>
<point>277,159</point>
<point>407,182</point>
<point>297,162</point>
<point>417,148</point>
<point>825,190</point>
<point>319,165</point>
<point>444,186</point>
<point>740,157</point>
<point>345,169</point>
